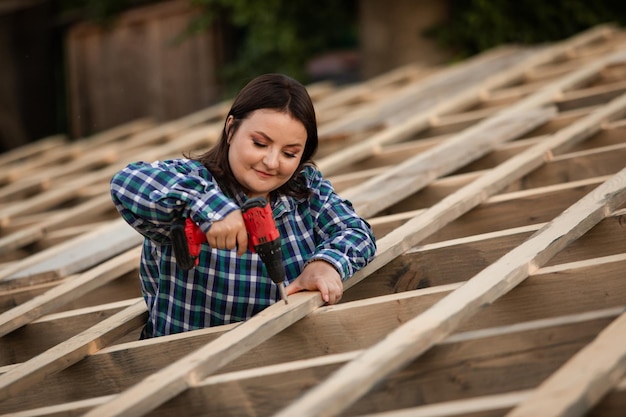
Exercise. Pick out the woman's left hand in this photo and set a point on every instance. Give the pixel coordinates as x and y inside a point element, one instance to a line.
<point>320,276</point>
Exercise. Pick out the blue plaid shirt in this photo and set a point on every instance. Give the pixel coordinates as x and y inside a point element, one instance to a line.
<point>224,287</point>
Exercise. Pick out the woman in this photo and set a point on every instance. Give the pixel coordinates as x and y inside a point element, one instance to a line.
<point>266,150</point>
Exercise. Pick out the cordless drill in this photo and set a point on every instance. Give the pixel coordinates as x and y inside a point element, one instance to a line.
<point>263,238</point>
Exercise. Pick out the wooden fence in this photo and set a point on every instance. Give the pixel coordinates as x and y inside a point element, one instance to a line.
<point>140,67</point>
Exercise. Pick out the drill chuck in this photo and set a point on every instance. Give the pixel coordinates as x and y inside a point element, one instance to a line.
<point>271,255</point>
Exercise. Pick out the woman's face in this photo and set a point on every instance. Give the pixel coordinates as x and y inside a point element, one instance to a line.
<point>265,150</point>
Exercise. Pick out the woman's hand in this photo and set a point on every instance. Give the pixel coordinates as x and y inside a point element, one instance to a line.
<point>321,276</point>
<point>229,233</point>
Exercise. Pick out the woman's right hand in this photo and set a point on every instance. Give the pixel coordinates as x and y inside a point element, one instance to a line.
<point>229,233</point>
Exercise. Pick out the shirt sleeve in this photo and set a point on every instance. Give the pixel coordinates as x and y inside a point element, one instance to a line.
<point>150,196</point>
<point>344,239</point>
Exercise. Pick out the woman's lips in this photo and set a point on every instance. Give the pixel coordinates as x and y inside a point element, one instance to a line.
<point>263,174</point>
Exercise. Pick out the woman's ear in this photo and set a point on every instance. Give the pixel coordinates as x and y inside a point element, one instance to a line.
<point>229,124</point>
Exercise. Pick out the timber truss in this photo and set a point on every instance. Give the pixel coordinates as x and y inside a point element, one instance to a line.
<point>496,188</point>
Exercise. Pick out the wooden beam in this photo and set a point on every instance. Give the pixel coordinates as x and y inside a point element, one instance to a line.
<point>582,382</point>
<point>416,336</point>
<point>74,156</point>
<point>497,405</point>
<point>52,329</point>
<point>70,290</point>
<point>415,173</point>
<point>443,375</point>
<point>516,209</point>
<point>436,217</point>
<point>177,377</point>
<point>71,351</point>
<point>591,96</point>
<point>461,97</point>
<point>380,192</point>
<point>17,155</point>
<point>482,406</point>
<point>575,166</point>
<point>581,286</point>
<point>186,141</point>
<point>71,257</point>
<point>508,344</point>
<point>455,260</point>
<point>502,211</point>
<point>446,89</point>
<point>362,92</point>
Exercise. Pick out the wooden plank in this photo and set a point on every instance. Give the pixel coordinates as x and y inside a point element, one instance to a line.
<point>499,206</point>
<point>591,96</point>
<point>574,166</point>
<point>44,333</point>
<point>388,156</point>
<point>31,150</point>
<point>96,205</point>
<point>51,169</point>
<point>71,351</point>
<point>70,290</point>
<point>455,260</point>
<point>416,336</point>
<point>71,257</point>
<point>483,406</point>
<point>72,188</point>
<point>460,349</point>
<point>76,408</point>
<point>177,377</point>
<point>582,382</point>
<point>498,405</point>
<point>427,380</point>
<point>426,223</point>
<point>446,85</point>
<point>413,174</point>
<point>515,209</point>
<point>337,329</point>
<point>420,170</point>
<point>419,121</point>
<point>69,188</point>
<point>354,94</point>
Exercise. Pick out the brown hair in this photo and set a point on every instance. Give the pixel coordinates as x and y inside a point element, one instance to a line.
<point>270,91</point>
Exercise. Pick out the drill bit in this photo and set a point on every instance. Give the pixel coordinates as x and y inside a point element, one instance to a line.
<point>283,294</point>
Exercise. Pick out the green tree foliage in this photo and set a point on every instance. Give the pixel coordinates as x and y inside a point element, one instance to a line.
<point>279,35</point>
<point>477,25</point>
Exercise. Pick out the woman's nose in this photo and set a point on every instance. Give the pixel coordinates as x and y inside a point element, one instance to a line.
<point>271,159</point>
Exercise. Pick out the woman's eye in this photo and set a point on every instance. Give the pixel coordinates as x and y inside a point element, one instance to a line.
<point>259,144</point>
<point>290,155</point>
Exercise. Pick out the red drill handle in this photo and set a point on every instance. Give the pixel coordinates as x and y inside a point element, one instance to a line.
<point>186,239</point>
<point>257,215</point>
<point>263,238</point>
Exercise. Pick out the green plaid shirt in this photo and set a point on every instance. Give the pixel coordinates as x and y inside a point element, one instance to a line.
<point>224,287</point>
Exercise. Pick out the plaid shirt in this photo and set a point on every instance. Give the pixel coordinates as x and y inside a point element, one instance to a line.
<point>224,287</point>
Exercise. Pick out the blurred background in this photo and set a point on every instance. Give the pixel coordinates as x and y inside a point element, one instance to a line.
<point>77,67</point>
